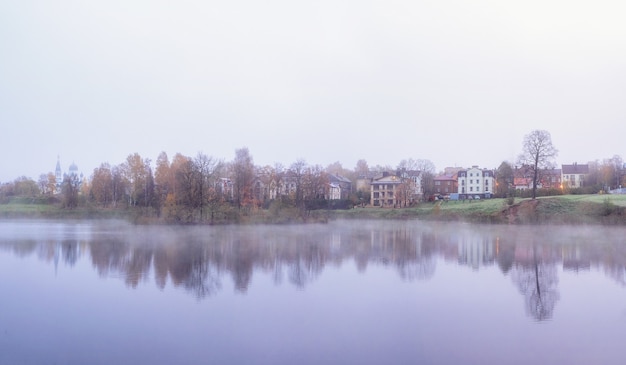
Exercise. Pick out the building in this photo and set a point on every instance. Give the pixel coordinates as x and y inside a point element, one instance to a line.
<point>74,173</point>
<point>445,184</point>
<point>413,180</point>
<point>475,182</point>
<point>574,176</point>
<point>339,187</point>
<point>384,191</point>
<point>546,179</point>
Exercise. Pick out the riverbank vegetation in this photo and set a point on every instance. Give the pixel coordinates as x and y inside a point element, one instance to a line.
<point>563,209</point>
<point>203,190</point>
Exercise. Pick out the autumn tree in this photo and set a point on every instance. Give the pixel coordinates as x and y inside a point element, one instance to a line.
<point>163,180</point>
<point>102,185</point>
<point>47,183</point>
<point>538,155</point>
<point>243,176</point>
<point>138,173</point>
<point>183,169</point>
<point>25,186</point>
<point>118,185</point>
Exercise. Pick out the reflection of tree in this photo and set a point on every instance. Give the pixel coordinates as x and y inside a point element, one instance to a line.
<point>506,255</point>
<point>537,281</point>
<point>196,259</point>
<point>420,270</point>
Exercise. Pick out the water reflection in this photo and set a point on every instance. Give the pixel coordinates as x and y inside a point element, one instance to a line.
<point>199,259</point>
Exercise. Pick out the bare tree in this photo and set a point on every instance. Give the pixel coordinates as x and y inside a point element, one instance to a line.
<point>205,168</point>
<point>537,155</point>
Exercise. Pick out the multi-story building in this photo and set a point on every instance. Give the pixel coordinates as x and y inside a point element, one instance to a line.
<point>573,176</point>
<point>384,191</point>
<point>475,182</point>
<point>445,184</point>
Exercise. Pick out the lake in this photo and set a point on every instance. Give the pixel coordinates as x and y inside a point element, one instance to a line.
<point>346,292</point>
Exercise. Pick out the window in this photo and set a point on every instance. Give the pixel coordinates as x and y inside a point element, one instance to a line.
<point>471,188</point>
<point>471,181</point>
<point>486,182</point>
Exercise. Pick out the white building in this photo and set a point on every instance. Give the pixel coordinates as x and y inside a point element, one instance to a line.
<point>476,182</point>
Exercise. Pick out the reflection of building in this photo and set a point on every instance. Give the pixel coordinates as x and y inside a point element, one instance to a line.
<point>476,251</point>
<point>573,260</point>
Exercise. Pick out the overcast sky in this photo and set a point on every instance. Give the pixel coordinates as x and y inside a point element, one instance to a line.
<point>457,82</point>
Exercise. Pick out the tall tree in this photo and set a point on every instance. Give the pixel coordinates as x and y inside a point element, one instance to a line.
<point>102,185</point>
<point>70,189</point>
<point>243,177</point>
<point>504,179</point>
<point>205,168</point>
<point>136,172</point>
<point>538,155</point>
<point>163,179</point>
<point>361,168</point>
<point>296,172</point>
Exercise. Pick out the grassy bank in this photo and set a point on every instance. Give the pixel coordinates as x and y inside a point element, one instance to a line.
<point>566,209</point>
<point>55,211</point>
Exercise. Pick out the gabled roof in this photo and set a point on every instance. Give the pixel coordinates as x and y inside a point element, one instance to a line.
<point>337,178</point>
<point>575,169</point>
<point>389,179</point>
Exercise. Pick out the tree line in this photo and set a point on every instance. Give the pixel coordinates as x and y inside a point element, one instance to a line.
<point>202,188</point>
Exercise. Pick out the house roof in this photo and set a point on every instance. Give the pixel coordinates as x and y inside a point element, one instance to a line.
<point>337,178</point>
<point>390,179</point>
<point>575,169</point>
<point>444,178</point>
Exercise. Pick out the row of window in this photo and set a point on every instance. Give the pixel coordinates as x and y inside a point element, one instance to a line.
<point>471,189</point>
<point>472,181</point>
<point>377,194</point>
<point>382,187</point>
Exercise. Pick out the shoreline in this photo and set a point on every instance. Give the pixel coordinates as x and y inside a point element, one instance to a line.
<point>565,209</point>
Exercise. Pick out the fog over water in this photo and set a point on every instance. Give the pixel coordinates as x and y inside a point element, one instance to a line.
<point>199,259</point>
<point>356,282</point>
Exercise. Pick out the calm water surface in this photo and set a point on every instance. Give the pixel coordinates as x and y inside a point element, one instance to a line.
<point>348,292</point>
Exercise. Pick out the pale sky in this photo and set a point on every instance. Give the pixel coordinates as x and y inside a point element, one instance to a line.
<point>456,82</point>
